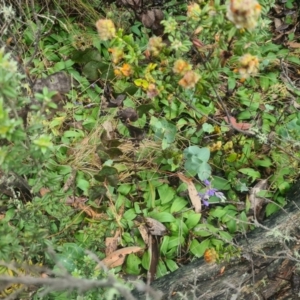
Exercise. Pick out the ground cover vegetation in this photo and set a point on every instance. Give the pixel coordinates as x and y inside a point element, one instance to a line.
<point>137,137</point>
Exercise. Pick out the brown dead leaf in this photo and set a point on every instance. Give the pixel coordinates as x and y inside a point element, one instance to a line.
<point>194,196</point>
<point>240,126</point>
<point>111,243</point>
<point>255,201</point>
<point>109,128</point>
<point>70,181</point>
<point>44,191</point>
<point>155,227</point>
<point>143,229</point>
<point>293,45</point>
<point>117,258</point>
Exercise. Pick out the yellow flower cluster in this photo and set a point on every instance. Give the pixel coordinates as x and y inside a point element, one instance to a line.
<point>106,29</point>
<point>125,70</point>
<point>193,11</point>
<point>249,65</point>
<point>155,45</point>
<point>117,54</point>
<point>244,13</point>
<point>190,77</point>
<point>181,67</point>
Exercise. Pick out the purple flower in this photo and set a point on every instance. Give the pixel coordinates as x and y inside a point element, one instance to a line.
<point>205,202</point>
<point>206,182</point>
<point>211,192</point>
<point>204,199</point>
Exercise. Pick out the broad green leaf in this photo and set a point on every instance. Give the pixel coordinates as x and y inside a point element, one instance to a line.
<point>204,171</point>
<point>284,186</point>
<point>264,83</point>
<point>146,260</point>
<point>225,235</point>
<point>9,214</point>
<point>166,193</point>
<point>231,83</point>
<point>129,214</point>
<point>204,230</point>
<point>218,212</point>
<point>171,264</point>
<point>164,245</point>
<point>162,217</point>
<point>251,173</point>
<point>208,128</point>
<point>133,263</point>
<point>161,269</point>
<point>178,204</point>
<point>265,162</point>
<point>220,183</point>
<point>197,248</point>
<point>231,225</point>
<point>271,208</point>
<point>192,220</point>
<point>175,241</point>
<point>83,184</point>
<point>201,153</point>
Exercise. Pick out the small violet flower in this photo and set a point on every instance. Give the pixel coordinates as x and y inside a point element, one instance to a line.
<point>210,192</point>
<point>206,182</point>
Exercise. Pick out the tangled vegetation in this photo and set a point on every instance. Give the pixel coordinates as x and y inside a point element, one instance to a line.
<point>137,138</point>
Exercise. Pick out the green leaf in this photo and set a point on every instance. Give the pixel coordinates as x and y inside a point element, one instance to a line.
<point>265,162</point>
<point>204,230</point>
<point>284,187</point>
<point>162,217</point>
<point>293,59</point>
<point>225,235</point>
<point>231,83</point>
<point>250,172</point>
<point>124,189</point>
<point>192,220</point>
<point>271,208</point>
<point>129,214</point>
<point>264,83</point>
<point>204,171</point>
<point>175,241</point>
<point>208,128</point>
<point>202,153</point>
<point>198,249</point>
<point>161,269</point>
<point>146,260</point>
<point>171,264</point>
<point>166,193</point>
<point>178,204</point>
<point>218,212</point>
<point>83,184</point>
<point>231,225</point>
<point>133,263</point>
<point>9,214</point>
<point>164,245</point>
<point>220,183</point>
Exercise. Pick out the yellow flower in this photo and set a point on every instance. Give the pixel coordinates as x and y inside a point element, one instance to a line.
<point>244,13</point>
<point>189,80</point>
<point>117,54</point>
<point>155,45</point>
<point>181,67</point>
<point>106,29</point>
<point>125,70</point>
<point>249,66</point>
<point>193,11</point>
<point>215,146</point>
<point>152,91</point>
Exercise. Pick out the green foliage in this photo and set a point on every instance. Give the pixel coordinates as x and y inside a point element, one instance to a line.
<point>109,162</point>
